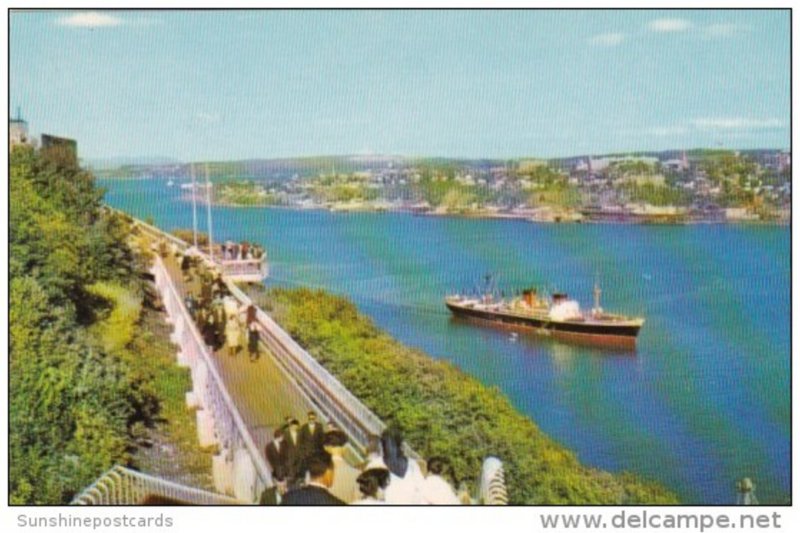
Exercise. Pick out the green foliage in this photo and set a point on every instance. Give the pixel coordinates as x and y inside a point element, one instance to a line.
<point>560,195</point>
<point>116,330</point>
<point>632,167</point>
<point>342,188</point>
<point>444,192</point>
<point>441,410</point>
<point>733,173</point>
<point>544,175</point>
<point>74,393</point>
<point>186,235</point>
<point>68,413</point>
<point>244,193</point>
<point>659,195</point>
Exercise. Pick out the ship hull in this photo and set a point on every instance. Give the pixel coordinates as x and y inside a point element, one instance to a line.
<point>591,332</point>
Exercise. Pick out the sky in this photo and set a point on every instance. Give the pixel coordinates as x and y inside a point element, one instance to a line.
<point>228,85</point>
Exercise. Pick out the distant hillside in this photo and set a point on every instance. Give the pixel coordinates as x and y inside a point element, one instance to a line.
<point>109,163</point>
<point>289,167</point>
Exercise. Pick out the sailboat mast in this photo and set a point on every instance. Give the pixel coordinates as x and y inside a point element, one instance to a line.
<point>194,207</point>
<point>208,210</point>
<point>597,293</point>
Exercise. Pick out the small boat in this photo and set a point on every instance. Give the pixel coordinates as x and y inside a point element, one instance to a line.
<point>170,183</point>
<point>557,316</point>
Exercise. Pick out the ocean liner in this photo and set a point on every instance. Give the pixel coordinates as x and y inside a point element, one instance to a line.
<point>557,315</point>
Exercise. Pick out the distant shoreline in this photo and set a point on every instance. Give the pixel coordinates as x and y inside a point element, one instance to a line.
<point>556,215</point>
<point>499,216</point>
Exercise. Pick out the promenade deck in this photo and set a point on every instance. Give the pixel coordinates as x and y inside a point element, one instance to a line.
<point>259,388</point>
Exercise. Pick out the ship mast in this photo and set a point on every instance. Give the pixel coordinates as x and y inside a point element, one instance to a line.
<point>208,207</point>
<point>194,207</point>
<point>597,309</point>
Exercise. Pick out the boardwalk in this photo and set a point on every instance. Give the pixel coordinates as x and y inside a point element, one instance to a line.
<point>259,388</point>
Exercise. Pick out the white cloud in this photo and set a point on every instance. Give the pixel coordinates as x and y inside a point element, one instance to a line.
<point>89,19</point>
<point>607,39</point>
<point>669,25</point>
<point>737,123</point>
<point>722,30</point>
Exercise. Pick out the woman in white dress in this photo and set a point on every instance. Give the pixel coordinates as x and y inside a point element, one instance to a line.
<point>233,329</point>
<point>406,479</point>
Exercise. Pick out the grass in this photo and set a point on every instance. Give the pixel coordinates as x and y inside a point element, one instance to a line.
<point>137,333</point>
<point>174,452</point>
<point>116,330</point>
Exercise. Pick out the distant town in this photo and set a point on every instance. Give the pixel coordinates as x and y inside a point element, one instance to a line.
<point>670,187</point>
<point>691,186</point>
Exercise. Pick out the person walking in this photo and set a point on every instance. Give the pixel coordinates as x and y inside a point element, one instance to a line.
<point>406,477</point>
<point>253,337</point>
<point>344,480</point>
<point>233,335</point>
<point>291,446</point>
<point>311,436</point>
<point>206,321</point>
<point>317,490</point>
<point>275,452</point>
<point>219,323</point>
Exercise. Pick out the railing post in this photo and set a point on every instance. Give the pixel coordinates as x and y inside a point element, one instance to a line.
<point>244,476</point>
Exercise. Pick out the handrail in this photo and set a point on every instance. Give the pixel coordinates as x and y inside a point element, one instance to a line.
<point>244,432</point>
<point>124,486</point>
<point>347,411</point>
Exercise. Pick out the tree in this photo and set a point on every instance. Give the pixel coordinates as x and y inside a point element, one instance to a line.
<point>71,403</point>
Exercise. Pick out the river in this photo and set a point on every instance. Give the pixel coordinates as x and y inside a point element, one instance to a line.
<point>703,400</point>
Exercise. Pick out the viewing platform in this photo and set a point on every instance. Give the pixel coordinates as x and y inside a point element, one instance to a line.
<point>239,270</point>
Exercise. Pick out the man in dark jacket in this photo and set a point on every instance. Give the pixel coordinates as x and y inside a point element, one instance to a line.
<point>274,494</point>
<point>276,452</point>
<point>292,452</point>
<point>312,436</point>
<point>320,470</point>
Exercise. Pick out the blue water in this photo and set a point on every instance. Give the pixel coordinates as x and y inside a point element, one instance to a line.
<point>703,401</point>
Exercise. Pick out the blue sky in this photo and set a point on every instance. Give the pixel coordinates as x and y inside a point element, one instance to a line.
<point>247,84</point>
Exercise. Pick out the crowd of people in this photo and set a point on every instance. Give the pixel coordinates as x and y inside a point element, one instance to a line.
<point>232,251</point>
<point>310,463</point>
<point>309,467</point>
<point>218,315</point>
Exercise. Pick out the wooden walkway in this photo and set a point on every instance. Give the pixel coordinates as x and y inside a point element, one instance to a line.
<point>260,390</point>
